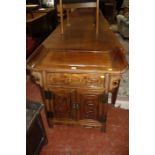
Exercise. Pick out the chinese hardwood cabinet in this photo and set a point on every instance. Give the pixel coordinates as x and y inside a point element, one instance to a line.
<point>77,70</point>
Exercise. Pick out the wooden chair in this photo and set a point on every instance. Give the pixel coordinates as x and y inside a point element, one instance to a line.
<point>68,4</point>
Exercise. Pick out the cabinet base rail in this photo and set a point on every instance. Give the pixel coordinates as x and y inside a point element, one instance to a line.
<point>86,123</point>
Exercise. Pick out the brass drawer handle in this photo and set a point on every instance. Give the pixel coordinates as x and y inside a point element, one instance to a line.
<point>76,106</point>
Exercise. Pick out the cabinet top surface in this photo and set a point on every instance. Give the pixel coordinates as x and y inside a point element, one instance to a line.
<point>79,48</point>
<point>80,34</point>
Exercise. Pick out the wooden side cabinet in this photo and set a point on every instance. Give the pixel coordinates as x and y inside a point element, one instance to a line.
<point>78,103</point>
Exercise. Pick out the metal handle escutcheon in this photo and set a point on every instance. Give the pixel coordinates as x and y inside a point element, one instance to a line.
<point>75,106</point>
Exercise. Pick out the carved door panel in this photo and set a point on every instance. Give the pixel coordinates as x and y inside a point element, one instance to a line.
<point>89,104</point>
<point>61,103</point>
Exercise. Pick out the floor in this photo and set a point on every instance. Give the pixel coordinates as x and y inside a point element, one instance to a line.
<point>63,140</point>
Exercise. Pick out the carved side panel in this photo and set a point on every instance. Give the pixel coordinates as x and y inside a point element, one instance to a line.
<point>114,81</point>
<point>37,77</point>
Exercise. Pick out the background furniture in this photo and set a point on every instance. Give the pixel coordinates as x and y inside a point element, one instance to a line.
<point>119,5</point>
<point>123,22</point>
<point>108,8</point>
<point>123,25</point>
<point>35,133</point>
<point>73,4</point>
<point>39,24</point>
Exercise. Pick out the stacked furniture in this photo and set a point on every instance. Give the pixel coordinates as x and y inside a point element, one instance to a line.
<point>78,70</point>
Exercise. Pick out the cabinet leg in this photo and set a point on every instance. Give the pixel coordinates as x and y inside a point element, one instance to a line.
<point>103,128</point>
<point>46,96</point>
<point>114,94</point>
<point>50,125</point>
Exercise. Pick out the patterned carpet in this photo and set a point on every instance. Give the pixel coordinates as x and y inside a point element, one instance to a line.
<point>71,140</point>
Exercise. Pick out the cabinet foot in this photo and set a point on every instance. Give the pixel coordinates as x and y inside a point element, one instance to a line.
<point>103,128</point>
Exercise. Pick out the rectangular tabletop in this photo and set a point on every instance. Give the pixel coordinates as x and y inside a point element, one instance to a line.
<point>80,47</point>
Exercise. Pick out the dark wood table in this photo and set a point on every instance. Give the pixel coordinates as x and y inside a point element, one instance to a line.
<point>35,133</point>
<point>41,21</point>
<point>78,70</point>
<point>39,24</point>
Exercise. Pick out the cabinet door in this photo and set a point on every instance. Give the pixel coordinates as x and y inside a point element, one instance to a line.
<point>89,104</point>
<point>61,103</point>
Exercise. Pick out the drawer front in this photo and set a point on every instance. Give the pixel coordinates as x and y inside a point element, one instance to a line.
<point>75,80</point>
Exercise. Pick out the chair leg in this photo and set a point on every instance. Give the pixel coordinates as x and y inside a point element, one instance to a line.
<point>97,16</point>
<point>61,16</point>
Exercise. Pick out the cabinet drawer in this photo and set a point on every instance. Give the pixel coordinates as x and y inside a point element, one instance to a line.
<point>75,80</point>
